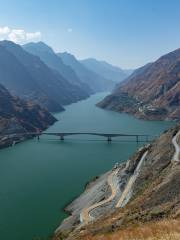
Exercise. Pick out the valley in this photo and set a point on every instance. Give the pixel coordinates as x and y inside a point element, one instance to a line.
<point>38,169</point>
<point>89,120</point>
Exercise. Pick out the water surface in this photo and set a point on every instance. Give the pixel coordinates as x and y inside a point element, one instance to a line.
<point>38,178</point>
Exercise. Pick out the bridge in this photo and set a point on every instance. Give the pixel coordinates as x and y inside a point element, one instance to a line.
<point>108,136</point>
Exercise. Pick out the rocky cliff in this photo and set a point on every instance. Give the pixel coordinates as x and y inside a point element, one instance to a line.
<point>143,192</point>
<point>18,116</point>
<point>151,92</point>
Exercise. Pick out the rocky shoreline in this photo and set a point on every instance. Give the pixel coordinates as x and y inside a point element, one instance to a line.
<point>96,191</point>
<point>123,103</point>
<point>156,168</point>
<point>12,140</point>
<point>18,118</point>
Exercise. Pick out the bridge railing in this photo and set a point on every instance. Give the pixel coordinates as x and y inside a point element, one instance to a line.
<point>62,135</point>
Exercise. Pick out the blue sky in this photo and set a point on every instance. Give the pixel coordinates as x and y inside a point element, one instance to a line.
<point>127,33</point>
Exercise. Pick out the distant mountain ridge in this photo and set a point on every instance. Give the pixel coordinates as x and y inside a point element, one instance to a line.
<point>87,76</point>
<point>151,92</point>
<point>105,69</point>
<point>36,73</point>
<point>17,79</point>
<point>25,75</point>
<point>49,57</point>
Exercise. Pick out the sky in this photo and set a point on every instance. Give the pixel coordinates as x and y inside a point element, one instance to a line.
<point>126,33</point>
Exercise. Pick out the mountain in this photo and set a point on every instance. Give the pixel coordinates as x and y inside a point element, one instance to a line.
<point>89,77</point>
<point>18,80</point>
<point>20,116</point>
<point>49,57</point>
<point>151,92</point>
<point>105,69</point>
<point>27,76</point>
<point>137,199</point>
<point>128,72</point>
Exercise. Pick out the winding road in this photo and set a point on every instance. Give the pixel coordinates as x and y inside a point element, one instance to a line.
<point>126,194</point>
<point>177,148</point>
<point>85,216</point>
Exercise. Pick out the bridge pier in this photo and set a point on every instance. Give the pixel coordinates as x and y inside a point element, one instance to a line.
<point>109,139</point>
<point>62,138</point>
<point>137,138</point>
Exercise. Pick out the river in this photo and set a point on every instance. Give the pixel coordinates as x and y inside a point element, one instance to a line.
<point>38,178</point>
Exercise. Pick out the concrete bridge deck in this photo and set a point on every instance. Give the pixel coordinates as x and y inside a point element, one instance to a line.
<point>108,136</point>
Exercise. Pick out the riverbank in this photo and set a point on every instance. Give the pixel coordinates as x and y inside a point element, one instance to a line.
<point>38,184</point>
<point>10,138</point>
<point>9,141</point>
<point>125,104</point>
<point>101,195</point>
<point>133,179</point>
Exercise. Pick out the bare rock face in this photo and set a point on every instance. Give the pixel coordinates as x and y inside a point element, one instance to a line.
<point>19,116</point>
<point>151,92</point>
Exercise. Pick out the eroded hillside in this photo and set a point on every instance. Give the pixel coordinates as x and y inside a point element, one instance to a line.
<point>151,92</point>
<point>133,197</point>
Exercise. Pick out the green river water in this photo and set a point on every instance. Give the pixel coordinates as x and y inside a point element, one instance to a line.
<point>38,178</point>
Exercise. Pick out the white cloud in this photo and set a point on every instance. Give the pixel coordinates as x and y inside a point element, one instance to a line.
<point>69,30</point>
<point>4,30</point>
<point>35,35</point>
<point>18,35</point>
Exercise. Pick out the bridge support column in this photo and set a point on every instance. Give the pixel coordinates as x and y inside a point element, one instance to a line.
<point>109,139</point>
<point>137,138</point>
<point>62,138</point>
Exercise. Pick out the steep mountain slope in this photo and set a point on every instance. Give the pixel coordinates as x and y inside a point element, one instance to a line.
<point>52,88</point>
<point>105,69</point>
<point>95,81</point>
<point>145,193</point>
<point>48,56</point>
<point>151,92</point>
<point>128,72</point>
<point>19,116</point>
<point>18,80</point>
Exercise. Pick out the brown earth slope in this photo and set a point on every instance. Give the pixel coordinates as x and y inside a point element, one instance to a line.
<point>153,205</point>
<point>19,116</point>
<point>151,92</point>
